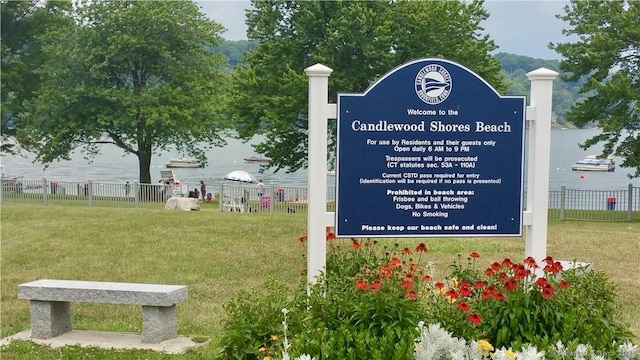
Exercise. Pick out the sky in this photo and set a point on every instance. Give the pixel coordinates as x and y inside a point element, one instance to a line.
<point>517,26</point>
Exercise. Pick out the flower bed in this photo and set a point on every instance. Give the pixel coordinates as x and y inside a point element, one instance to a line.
<point>373,303</point>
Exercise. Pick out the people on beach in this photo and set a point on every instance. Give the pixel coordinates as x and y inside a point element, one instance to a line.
<point>203,190</point>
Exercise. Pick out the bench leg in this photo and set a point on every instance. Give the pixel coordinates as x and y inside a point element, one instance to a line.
<point>158,324</point>
<point>49,318</point>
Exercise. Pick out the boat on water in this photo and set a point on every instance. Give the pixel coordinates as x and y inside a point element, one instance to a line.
<point>183,163</point>
<point>592,163</point>
<point>257,160</point>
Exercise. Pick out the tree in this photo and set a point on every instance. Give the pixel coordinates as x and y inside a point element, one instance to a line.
<point>135,74</point>
<point>607,58</point>
<point>359,40</point>
<point>24,25</point>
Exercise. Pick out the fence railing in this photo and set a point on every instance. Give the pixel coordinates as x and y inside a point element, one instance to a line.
<point>595,205</point>
<point>564,204</point>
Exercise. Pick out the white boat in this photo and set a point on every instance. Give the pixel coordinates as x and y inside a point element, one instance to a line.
<point>592,163</point>
<point>183,163</point>
<point>257,160</point>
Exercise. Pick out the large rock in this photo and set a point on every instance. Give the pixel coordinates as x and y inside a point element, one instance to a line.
<point>182,203</point>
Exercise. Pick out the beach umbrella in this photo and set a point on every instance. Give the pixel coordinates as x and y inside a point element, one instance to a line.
<point>241,176</point>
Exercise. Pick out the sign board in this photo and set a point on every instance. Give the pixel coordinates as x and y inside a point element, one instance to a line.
<point>430,149</point>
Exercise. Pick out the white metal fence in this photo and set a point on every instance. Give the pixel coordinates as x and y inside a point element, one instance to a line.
<point>564,204</point>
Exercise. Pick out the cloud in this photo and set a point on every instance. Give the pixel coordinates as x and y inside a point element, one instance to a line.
<point>229,13</point>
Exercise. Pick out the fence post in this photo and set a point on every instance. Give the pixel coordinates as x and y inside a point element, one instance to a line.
<point>630,203</point>
<point>272,198</point>
<point>45,186</point>
<point>90,190</point>
<point>221,197</point>
<point>136,193</point>
<point>562,201</point>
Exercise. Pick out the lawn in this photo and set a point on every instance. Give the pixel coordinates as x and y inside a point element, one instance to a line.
<point>217,254</point>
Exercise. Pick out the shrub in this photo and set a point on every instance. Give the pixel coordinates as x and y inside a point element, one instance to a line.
<point>509,305</point>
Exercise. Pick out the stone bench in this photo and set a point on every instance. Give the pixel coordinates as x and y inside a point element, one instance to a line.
<point>51,309</point>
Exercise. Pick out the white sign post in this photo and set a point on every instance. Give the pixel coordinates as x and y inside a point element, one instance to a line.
<point>539,116</point>
<point>317,220</point>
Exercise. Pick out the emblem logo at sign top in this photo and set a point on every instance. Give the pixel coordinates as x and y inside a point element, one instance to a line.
<point>433,84</point>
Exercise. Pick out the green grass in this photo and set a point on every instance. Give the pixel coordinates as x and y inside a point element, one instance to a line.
<point>217,254</point>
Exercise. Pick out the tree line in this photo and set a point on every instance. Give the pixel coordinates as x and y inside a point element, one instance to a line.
<point>514,70</point>
<point>147,76</point>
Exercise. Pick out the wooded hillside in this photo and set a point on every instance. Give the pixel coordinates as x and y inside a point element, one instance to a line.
<point>514,67</point>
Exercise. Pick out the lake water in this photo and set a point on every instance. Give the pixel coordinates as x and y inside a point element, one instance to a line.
<point>112,166</point>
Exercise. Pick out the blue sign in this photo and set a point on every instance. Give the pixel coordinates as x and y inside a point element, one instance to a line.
<point>430,149</point>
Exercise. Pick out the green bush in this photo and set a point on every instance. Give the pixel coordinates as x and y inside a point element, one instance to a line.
<point>509,305</point>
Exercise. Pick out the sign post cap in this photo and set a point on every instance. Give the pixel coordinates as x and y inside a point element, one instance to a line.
<point>318,70</point>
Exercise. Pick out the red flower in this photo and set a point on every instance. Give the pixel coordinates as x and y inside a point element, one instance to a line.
<point>541,282</point>
<point>407,286</point>
<point>511,284</point>
<point>489,292</point>
<point>452,294</point>
<point>547,292</point>
<point>507,262</point>
<point>426,277</point>
<point>465,290</point>
<point>498,296</point>
<point>376,285</point>
<point>474,255</point>
<point>331,236</point>
<point>553,267</point>
<point>463,306</point>
<point>496,266</point>
<point>503,276</point>
<point>563,284</point>
<point>411,295</point>
<point>474,318</point>
<point>355,244</point>
<point>385,271</point>
<point>439,285</point>
<point>489,272</point>
<point>395,262</point>
<point>362,285</point>
<point>406,251</point>
<point>302,239</point>
<point>531,262</point>
<point>409,277</point>
<point>421,248</point>
<point>486,294</point>
<point>521,273</point>
<point>479,284</point>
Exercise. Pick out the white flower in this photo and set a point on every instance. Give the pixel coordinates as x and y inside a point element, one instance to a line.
<point>627,351</point>
<point>285,311</point>
<point>436,343</point>
<point>560,349</point>
<point>503,354</point>
<point>581,352</point>
<point>304,357</point>
<point>530,353</point>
